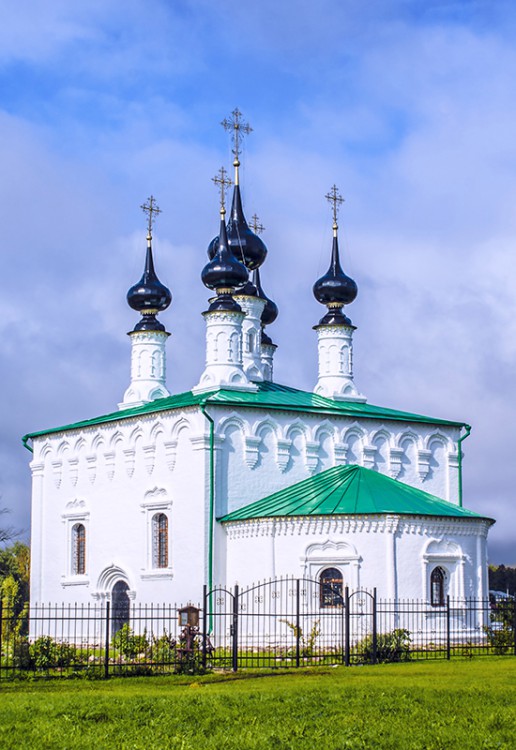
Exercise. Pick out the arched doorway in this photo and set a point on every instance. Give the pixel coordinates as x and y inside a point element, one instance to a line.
<point>120,606</point>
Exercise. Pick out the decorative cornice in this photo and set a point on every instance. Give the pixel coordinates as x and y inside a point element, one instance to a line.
<point>283,453</point>
<point>395,459</point>
<point>423,463</point>
<point>252,450</point>
<point>317,525</point>
<point>370,452</point>
<point>37,469</point>
<point>130,460</point>
<point>149,456</point>
<point>57,471</point>
<point>312,456</point>
<point>223,316</point>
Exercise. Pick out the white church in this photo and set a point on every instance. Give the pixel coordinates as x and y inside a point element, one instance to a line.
<point>242,478</point>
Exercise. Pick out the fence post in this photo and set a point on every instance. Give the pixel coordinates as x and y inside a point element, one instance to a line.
<point>448,646</point>
<point>347,626</point>
<point>106,653</point>
<point>235,630</point>
<point>375,635</point>
<point>298,626</point>
<point>204,624</point>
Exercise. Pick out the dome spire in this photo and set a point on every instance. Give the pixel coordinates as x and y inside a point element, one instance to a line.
<point>148,338</point>
<point>238,130</point>
<point>335,330</point>
<point>245,245</point>
<point>149,296</point>
<point>336,200</point>
<point>224,273</point>
<point>222,182</point>
<point>150,208</point>
<point>335,289</point>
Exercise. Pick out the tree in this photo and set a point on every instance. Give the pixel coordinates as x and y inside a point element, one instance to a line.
<point>14,589</point>
<point>502,578</point>
<point>7,533</point>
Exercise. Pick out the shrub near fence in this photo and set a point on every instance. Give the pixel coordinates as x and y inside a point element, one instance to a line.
<point>278,623</point>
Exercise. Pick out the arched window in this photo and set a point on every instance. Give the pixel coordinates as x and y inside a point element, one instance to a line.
<point>437,581</point>
<point>250,341</point>
<point>120,606</point>
<point>330,582</point>
<point>79,550</point>
<point>160,541</point>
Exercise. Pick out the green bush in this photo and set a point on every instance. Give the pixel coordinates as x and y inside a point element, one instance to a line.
<point>163,649</point>
<point>46,653</point>
<point>500,639</point>
<point>43,653</point>
<point>128,644</point>
<point>390,647</point>
<point>500,634</point>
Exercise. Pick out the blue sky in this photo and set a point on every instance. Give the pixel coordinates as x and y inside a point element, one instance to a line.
<point>408,106</point>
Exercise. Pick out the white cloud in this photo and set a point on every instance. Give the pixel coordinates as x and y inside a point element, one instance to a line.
<point>413,120</point>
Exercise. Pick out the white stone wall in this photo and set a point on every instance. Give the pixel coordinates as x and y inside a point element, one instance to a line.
<point>395,554</point>
<point>259,453</point>
<point>113,478</point>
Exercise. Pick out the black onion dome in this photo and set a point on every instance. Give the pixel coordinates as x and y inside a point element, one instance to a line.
<point>270,311</point>
<point>246,246</point>
<point>213,247</point>
<point>149,296</point>
<point>224,271</point>
<point>248,290</point>
<point>335,288</point>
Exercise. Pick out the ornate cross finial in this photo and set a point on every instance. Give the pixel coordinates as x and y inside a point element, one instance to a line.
<point>239,129</point>
<point>150,208</point>
<point>336,199</point>
<point>255,225</point>
<point>223,182</point>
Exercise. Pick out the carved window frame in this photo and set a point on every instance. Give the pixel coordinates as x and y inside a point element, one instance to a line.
<point>72,518</point>
<point>152,507</point>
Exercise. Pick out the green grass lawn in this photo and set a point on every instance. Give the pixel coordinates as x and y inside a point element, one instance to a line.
<point>457,704</point>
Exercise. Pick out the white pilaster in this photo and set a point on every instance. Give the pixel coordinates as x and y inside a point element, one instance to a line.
<point>37,532</point>
<point>148,368</point>
<point>223,351</point>
<point>335,345</point>
<point>252,336</point>
<point>268,361</point>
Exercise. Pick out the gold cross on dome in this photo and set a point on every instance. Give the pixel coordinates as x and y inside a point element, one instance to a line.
<point>150,208</point>
<point>223,182</point>
<point>239,128</point>
<point>255,225</point>
<point>336,199</point>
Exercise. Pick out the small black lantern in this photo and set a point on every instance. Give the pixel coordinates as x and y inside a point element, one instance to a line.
<point>188,616</point>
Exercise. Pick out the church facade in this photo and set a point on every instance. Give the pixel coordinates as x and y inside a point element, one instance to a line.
<point>241,478</point>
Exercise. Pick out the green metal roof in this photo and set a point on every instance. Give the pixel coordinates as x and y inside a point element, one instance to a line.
<point>348,490</point>
<point>268,396</point>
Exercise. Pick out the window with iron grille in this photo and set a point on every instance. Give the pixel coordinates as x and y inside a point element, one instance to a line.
<point>330,582</point>
<point>437,581</point>
<point>79,549</point>
<point>160,541</point>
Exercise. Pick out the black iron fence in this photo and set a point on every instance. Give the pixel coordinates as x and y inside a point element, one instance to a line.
<point>288,622</point>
